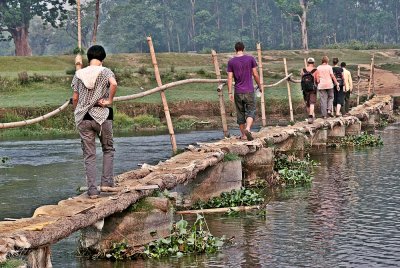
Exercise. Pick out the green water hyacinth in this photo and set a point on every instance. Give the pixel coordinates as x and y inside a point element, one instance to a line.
<point>184,240</point>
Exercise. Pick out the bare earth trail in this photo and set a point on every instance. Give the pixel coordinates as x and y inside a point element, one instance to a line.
<point>386,82</point>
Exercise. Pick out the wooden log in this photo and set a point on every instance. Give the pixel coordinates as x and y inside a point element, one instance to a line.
<point>220,94</point>
<point>260,72</point>
<point>289,92</point>
<point>163,97</point>
<point>217,210</point>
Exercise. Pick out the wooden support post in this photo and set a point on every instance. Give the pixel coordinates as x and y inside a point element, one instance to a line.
<point>78,7</point>
<point>40,258</point>
<point>260,73</point>
<point>163,97</point>
<point>370,77</point>
<point>358,85</point>
<point>78,58</point>
<point>373,74</point>
<point>289,92</point>
<point>305,63</point>
<point>220,94</point>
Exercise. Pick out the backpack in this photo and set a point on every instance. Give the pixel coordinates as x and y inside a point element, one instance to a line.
<point>338,72</point>
<point>307,81</point>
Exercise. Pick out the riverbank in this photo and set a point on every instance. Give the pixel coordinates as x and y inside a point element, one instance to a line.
<point>33,86</point>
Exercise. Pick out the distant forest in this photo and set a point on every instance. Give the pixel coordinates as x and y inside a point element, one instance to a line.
<point>201,25</point>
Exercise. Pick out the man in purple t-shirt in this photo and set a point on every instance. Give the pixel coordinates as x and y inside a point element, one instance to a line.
<point>243,68</point>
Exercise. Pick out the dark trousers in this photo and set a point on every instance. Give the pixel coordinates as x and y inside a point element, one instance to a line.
<point>347,101</point>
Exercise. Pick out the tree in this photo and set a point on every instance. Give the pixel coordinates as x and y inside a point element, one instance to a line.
<point>15,16</point>
<point>299,9</point>
<point>96,22</point>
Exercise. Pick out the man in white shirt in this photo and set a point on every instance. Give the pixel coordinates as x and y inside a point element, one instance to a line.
<point>348,87</point>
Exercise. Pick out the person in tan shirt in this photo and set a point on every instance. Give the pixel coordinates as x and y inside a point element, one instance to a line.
<point>348,87</point>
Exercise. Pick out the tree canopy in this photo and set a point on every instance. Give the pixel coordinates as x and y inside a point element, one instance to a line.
<point>190,25</point>
<point>15,17</point>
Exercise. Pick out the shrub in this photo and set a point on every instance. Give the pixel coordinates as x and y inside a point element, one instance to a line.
<point>143,70</point>
<point>23,78</point>
<point>122,121</point>
<point>145,120</point>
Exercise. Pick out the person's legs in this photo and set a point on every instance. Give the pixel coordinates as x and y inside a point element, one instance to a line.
<point>311,100</point>
<point>323,95</point>
<point>250,113</point>
<point>330,100</point>
<point>88,134</point>
<point>107,144</point>
<point>347,101</point>
<point>340,101</point>
<point>240,114</point>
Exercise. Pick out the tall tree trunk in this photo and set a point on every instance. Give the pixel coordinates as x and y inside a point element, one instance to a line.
<point>303,23</point>
<point>96,22</point>
<point>193,2</point>
<point>218,15</point>
<point>21,41</point>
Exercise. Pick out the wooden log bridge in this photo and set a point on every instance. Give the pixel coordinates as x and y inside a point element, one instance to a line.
<point>52,223</point>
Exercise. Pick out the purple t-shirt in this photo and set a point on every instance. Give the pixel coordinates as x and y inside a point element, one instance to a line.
<point>241,67</point>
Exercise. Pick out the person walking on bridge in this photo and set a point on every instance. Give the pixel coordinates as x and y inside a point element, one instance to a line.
<point>325,78</point>
<point>348,87</point>
<point>243,68</point>
<point>94,90</point>
<point>309,87</point>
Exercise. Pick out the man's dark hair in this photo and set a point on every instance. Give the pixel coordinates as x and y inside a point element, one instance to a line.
<point>335,61</point>
<point>343,64</point>
<point>96,52</point>
<point>239,46</point>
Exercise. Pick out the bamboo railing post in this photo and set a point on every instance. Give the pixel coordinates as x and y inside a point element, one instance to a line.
<point>162,93</point>
<point>305,63</point>
<point>289,92</point>
<point>373,74</point>
<point>220,94</point>
<point>358,85</point>
<point>370,77</point>
<point>78,58</point>
<point>261,75</point>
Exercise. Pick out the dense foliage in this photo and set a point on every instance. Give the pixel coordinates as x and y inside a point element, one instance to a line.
<point>190,25</point>
<point>363,140</point>
<point>292,170</point>
<point>184,239</point>
<point>241,197</point>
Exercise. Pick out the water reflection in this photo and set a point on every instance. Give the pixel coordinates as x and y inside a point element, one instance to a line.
<point>348,217</point>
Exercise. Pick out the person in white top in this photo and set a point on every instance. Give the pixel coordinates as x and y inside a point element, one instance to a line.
<point>348,87</point>
<point>326,81</point>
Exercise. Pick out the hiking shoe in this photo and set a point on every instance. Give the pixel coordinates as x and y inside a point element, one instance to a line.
<point>310,119</point>
<point>248,135</point>
<point>330,114</point>
<point>107,184</point>
<point>93,192</point>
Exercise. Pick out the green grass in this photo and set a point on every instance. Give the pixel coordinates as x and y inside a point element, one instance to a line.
<point>55,88</point>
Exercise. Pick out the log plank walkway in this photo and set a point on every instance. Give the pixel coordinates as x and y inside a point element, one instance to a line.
<point>51,223</point>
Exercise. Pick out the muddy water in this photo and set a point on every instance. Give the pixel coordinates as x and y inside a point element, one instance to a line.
<point>348,217</point>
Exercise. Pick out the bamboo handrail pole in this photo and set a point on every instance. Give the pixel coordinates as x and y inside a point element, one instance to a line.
<point>260,71</point>
<point>163,97</point>
<point>220,94</point>
<point>287,77</point>
<point>78,8</point>
<point>305,63</point>
<point>34,120</point>
<point>289,92</point>
<point>373,74</point>
<point>370,78</point>
<point>167,86</point>
<point>358,85</point>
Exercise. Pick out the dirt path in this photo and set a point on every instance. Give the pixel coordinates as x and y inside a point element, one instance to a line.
<point>386,82</point>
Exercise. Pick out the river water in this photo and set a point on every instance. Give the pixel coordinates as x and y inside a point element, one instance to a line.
<point>348,217</point>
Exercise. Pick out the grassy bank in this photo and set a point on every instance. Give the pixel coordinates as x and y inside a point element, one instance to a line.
<point>31,86</point>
